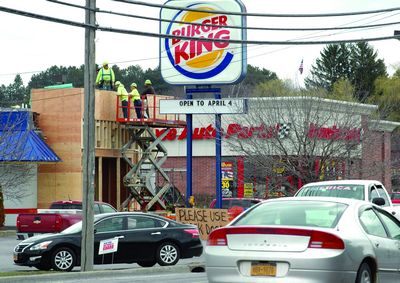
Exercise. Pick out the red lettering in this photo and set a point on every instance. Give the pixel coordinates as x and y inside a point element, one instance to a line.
<point>220,35</point>
<point>183,135</point>
<point>177,33</point>
<point>222,20</point>
<point>180,51</point>
<point>232,129</point>
<point>206,28</point>
<point>195,30</point>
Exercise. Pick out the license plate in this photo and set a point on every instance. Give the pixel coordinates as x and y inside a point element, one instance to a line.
<point>263,269</point>
<point>15,256</point>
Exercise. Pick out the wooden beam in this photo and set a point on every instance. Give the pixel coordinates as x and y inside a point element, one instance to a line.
<point>118,184</point>
<point>100,186</point>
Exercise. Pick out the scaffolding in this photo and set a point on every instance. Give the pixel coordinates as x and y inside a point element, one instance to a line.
<point>140,179</point>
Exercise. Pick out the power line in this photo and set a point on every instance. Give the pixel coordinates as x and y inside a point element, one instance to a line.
<point>226,26</point>
<point>158,35</point>
<point>258,14</point>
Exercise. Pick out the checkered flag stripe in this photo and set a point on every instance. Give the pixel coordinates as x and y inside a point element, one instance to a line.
<point>283,130</point>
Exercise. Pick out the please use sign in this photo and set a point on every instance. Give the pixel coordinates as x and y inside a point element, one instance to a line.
<point>204,218</point>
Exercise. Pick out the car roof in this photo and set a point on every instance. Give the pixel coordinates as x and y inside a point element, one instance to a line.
<point>344,182</point>
<point>347,201</point>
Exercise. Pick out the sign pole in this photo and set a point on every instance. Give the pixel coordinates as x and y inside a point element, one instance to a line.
<point>189,151</point>
<point>218,180</point>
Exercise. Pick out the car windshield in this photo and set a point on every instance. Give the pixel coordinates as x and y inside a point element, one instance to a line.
<point>297,213</point>
<point>77,227</point>
<point>354,191</point>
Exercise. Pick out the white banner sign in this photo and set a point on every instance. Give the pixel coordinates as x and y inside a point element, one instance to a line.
<point>108,246</point>
<point>203,106</point>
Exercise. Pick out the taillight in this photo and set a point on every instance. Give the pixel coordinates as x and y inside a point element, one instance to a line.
<point>58,223</point>
<point>18,223</point>
<point>217,237</point>
<point>193,232</point>
<point>323,240</point>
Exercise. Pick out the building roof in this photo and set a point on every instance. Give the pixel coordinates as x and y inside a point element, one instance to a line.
<point>19,143</point>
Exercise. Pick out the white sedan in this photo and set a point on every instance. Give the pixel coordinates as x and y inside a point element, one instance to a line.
<point>306,240</point>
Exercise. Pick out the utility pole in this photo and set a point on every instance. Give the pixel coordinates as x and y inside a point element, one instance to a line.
<point>88,158</point>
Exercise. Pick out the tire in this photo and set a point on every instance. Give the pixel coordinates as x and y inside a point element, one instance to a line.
<point>146,263</point>
<point>63,259</point>
<point>167,254</point>
<point>364,274</point>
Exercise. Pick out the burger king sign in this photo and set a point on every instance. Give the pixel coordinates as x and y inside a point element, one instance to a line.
<point>186,59</point>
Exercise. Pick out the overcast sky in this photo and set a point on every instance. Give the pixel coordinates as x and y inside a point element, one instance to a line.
<point>29,45</point>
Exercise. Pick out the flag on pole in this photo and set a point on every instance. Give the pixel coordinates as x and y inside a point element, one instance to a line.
<point>301,67</point>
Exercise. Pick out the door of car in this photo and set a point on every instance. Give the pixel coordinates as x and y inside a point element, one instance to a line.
<point>142,236</point>
<point>107,229</point>
<point>386,248</point>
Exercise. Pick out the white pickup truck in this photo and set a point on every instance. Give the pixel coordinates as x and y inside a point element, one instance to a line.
<point>368,190</point>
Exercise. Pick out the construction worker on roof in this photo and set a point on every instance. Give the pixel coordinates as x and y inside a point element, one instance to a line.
<point>124,97</point>
<point>148,89</point>
<point>105,77</point>
<point>137,102</point>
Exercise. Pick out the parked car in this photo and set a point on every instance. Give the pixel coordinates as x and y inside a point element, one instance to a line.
<point>368,190</point>
<point>395,197</point>
<point>143,238</point>
<point>59,216</point>
<point>306,239</point>
<point>236,206</point>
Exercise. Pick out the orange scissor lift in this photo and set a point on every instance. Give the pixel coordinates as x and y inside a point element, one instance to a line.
<point>140,178</point>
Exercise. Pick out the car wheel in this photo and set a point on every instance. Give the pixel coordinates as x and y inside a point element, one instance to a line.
<point>146,263</point>
<point>63,259</point>
<point>168,254</point>
<point>364,274</point>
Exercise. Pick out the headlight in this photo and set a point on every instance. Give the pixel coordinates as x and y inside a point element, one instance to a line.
<point>40,246</point>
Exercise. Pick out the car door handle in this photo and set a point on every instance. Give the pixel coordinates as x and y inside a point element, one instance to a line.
<point>377,245</point>
<point>120,237</point>
<point>156,233</point>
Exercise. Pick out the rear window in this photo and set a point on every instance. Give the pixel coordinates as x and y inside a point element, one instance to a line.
<point>294,213</point>
<point>66,206</point>
<point>395,196</point>
<point>245,203</point>
<point>341,191</point>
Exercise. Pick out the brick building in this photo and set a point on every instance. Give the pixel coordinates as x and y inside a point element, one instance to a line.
<point>363,145</point>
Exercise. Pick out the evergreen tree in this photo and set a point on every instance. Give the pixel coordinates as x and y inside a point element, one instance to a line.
<point>332,65</point>
<point>366,68</point>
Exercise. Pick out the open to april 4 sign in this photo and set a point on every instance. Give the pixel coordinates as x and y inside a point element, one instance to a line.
<point>203,106</point>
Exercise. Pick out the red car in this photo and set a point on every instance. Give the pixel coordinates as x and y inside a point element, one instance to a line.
<point>236,206</point>
<point>395,197</point>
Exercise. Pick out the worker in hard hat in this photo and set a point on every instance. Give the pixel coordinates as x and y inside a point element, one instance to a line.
<point>137,102</point>
<point>105,77</point>
<point>124,97</point>
<point>148,89</point>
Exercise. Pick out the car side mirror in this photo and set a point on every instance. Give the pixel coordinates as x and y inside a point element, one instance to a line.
<point>379,201</point>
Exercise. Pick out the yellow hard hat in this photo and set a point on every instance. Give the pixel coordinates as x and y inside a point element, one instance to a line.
<point>147,82</point>
<point>105,63</point>
<point>133,85</point>
<point>117,83</point>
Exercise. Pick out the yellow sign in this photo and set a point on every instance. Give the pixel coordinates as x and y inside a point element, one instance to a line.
<point>206,219</point>
<point>225,184</point>
<point>248,190</point>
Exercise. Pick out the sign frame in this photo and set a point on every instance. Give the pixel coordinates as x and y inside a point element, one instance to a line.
<point>195,62</point>
<point>203,106</point>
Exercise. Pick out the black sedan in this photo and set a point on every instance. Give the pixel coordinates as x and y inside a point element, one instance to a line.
<point>123,237</point>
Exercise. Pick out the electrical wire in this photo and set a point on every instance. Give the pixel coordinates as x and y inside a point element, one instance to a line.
<point>218,26</point>
<point>258,14</point>
<point>158,35</point>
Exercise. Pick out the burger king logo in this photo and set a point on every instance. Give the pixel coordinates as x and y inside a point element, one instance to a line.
<point>194,58</point>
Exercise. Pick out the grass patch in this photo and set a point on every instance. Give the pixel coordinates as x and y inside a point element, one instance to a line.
<point>24,273</point>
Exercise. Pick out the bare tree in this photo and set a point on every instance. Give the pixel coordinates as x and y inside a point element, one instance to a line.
<point>309,138</point>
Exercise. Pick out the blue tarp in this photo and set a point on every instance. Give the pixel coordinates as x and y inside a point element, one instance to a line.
<point>18,143</point>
